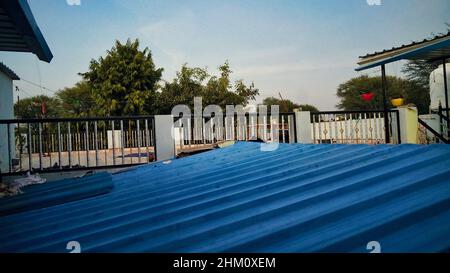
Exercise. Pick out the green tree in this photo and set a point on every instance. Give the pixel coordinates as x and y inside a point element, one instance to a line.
<point>350,92</point>
<point>188,83</point>
<point>220,91</point>
<point>419,71</point>
<point>32,107</point>
<point>308,107</point>
<point>197,82</point>
<point>287,106</point>
<point>124,82</point>
<point>77,101</point>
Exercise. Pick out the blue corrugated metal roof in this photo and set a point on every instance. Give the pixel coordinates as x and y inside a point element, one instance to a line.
<point>299,198</point>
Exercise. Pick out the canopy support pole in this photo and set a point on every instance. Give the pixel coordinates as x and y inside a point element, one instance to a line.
<point>385,106</point>
<point>446,93</point>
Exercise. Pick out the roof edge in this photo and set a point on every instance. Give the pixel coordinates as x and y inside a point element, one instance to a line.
<point>20,13</point>
<point>8,72</point>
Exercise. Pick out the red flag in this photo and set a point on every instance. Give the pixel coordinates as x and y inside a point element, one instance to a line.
<point>43,108</point>
<point>367,96</point>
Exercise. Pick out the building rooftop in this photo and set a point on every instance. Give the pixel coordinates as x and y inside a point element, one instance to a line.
<point>8,72</point>
<point>298,198</point>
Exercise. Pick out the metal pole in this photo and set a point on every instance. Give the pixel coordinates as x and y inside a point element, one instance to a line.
<point>147,140</point>
<point>96,143</point>
<point>86,141</point>
<point>385,106</point>
<point>138,135</point>
<point>30,162</point>
<point>40,146</point>
<point>59,145</point>
<point>69,148</point>
<point>9,148</point>
<point>113,141</point>
<point>122,136</point>
<point>446,93</point>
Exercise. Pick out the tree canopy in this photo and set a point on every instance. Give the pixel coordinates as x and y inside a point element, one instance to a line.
<point>193,82</point>
<point>419,71</point>
<point>287,106</point>
<point>124,82</point>
<point>77,101</point>
<point>349,93</point>
<point>38,107</point>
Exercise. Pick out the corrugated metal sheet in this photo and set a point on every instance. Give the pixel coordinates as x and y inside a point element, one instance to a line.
<point>434,49</point>
<point>19,30</point>
<point>299,198</point>
<point>415,43</point>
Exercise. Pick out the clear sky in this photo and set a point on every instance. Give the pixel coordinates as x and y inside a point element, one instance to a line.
<point>301,48</point>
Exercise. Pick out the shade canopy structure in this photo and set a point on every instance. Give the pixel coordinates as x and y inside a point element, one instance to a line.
<point>433,49</point>
<point>19,31</point>
<point>436,48</point>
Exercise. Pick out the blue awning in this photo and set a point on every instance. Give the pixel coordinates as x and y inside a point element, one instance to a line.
<point>433,49</point>
<point>19,31</point>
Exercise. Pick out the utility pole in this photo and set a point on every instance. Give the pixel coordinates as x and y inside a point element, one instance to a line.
<point>18,99</point>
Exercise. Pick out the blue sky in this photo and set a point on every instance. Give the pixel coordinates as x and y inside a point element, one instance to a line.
<point>302,48</point>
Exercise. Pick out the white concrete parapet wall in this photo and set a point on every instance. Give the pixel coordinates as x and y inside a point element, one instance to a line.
<point>6,112</point>
<point>164,137</point>
<point>303,123</point>
<point>408,117</point>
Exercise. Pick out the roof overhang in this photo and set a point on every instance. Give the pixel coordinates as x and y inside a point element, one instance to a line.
<point>434,49</point>
<point>8,72</point>
<point>19,31</point>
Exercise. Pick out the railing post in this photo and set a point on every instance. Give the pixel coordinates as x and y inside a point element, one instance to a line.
<point>444,72</point>
<point>303,127</point>
<point>385,109</point>
<point>164,137</point>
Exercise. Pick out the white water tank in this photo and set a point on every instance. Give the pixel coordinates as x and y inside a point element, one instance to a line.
<point>437,93</point>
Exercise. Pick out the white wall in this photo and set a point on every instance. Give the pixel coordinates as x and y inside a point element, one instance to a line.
<point>304,127</point>
<point>434,122</point>
<point>164,137</point>
<point>117,139</point>
<point>409,124</point>
<point>6,112</point>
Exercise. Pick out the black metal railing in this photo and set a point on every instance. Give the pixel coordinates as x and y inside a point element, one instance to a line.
<point>355,127</point>
<point>51,145</point>
<point>200,130</point>
<point>435,132</point>
<point>444,121</point>
<point>427,135</point>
